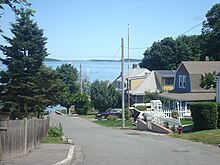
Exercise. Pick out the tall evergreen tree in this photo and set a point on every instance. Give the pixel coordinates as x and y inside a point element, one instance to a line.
<point>22,85</point>
<point>13,4</point>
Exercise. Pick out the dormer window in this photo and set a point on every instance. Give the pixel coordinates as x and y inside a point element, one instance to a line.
<point>182,81</point>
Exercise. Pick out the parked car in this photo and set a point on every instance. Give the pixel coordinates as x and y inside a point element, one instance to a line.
<point>111,111</point>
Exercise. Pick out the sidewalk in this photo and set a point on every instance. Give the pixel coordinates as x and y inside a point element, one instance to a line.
<point>45,154</point>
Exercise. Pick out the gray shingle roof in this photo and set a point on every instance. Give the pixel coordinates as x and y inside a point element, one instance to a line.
<point>202,67</point>
<point>166,73</point>
<point>189,96</point>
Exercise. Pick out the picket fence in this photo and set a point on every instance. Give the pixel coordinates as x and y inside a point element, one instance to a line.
<point>18,137</point>
<point>182,113</point>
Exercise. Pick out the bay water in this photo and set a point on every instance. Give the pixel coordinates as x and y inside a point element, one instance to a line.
<point>92,70</point>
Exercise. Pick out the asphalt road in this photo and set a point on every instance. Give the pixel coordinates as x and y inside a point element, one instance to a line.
<point>97,145</point>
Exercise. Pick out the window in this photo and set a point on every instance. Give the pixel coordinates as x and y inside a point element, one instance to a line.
<point>119,84</point>
<point>184,81</point>
<point>180,81</point>
<point>139,99</point>
<point>169,81</point>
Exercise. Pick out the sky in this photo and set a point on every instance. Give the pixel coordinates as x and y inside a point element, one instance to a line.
<point>92,29</point>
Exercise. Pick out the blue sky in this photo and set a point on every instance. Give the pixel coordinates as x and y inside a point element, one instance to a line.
<point>92,29</point>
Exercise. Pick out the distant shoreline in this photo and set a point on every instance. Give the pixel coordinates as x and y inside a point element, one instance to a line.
<point>92,60</point>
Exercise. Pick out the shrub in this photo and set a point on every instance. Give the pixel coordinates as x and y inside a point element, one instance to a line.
<point>174,114</point>
<point>141,108</point>
<point>204,115</point>
<point>55,132</point>
<point>112,118</point>
<point>82,103</point>
<point>82,110</point>
<point>218,124</point>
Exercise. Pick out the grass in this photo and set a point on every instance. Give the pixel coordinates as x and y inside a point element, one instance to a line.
<point>206,136</point>
<point>186,121</point>
<point>53,140</point>
<point>90,116</point>
<point>115,124</point>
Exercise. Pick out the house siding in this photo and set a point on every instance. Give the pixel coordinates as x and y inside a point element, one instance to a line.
<point>168,87</point>
<point>184,88</point>
<point>135,83</point>
<point>162,82</point>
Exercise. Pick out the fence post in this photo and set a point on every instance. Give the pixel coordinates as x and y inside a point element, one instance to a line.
<point>25,135</point>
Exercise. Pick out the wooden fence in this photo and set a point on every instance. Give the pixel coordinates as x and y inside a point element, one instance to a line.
<point>18,137</point>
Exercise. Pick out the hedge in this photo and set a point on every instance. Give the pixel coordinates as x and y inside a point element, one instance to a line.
<point>205,115</point>
<point>218,125</point>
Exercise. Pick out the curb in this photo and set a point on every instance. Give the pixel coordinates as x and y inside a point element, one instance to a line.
<point>68,158</point>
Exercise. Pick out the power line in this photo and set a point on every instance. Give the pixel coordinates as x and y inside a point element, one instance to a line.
<point>190,29</point>
<point>175,37</point>
<point>137,48</point>
<point>108,62</point>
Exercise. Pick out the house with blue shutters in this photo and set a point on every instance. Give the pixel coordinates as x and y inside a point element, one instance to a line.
<point>187,87</point>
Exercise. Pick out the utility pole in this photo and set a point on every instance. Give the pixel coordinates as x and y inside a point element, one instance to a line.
<point>128,84</point>
<point>81,79</point>
<point>122,82</point>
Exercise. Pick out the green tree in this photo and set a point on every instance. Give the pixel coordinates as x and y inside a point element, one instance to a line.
<point>161,55</point>
<point>150,96</point>
<point>69,77</point>
<point>103,96</point>
<point>211,34</point>
<point>82,103</point>
<point>13,4</point>
<point>168,53</point>
<point>23,87</point>
<point>66,99</point>
<point>208,81</point>
<point>188,48</point>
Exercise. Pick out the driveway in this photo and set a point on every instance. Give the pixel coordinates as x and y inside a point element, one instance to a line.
<point>97,145</point>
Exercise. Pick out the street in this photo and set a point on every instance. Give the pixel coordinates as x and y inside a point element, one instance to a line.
<point>97,145</point>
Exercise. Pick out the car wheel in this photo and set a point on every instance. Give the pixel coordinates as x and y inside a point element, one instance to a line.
<point>103,116</point>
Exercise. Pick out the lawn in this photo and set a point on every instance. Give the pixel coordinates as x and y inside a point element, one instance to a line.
<point>186,121</point>
<point>90,116</point>
<point>206,136</point>
<point>115,124</point>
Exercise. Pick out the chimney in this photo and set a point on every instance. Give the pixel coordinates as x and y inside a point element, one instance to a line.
<point>134,66</point>
<point>207,58</point>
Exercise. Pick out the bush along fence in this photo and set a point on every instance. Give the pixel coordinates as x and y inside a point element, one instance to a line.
<point>18,137</point>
